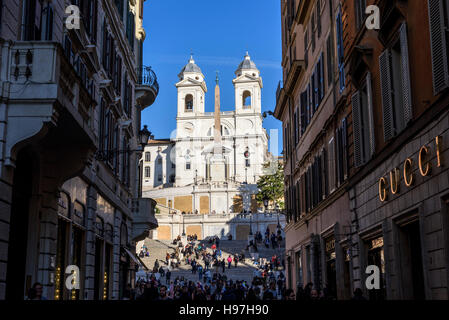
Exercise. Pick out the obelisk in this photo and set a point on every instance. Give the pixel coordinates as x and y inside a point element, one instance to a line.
<point>217,161</point>
<point>218,150</point>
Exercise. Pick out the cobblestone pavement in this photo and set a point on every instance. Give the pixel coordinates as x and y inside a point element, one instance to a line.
<point>244,271</point>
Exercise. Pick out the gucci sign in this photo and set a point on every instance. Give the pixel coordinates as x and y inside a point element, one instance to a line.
<point>393,180</point>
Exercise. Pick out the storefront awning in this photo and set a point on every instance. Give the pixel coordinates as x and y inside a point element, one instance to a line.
<point>132,256</point>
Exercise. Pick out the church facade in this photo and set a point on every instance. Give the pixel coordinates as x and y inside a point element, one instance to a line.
<point>213,160</point>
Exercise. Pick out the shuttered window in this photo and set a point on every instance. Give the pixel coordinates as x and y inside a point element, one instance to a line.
<point>125,161</point>
<point>344,134</point>
<point>295,126</point>
<point>340,49</point>
<point>306,48</point>
<point>302,192</point>
<point>294,204</point>
<point>395,86</point>
<point>439,38</point>
<point>363,124</point>
<point>298,200</point>
<point>341,153</point>
<point>321,75</point>
<point>324,173</point>
<point>331,164</point>
<point>115,146</point>
<point>130,27</point>
<point>298,122</point>
<point>330,68</point>
<point>117,74</point>
<point>318,14</point>
<point>314,89</point>
<point>313,28</point>
<point>304,100</point>
<point>339,156</point>
<point>360,7</point>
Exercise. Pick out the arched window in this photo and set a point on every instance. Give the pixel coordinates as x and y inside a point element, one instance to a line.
<point>189,103</point>
<point>246,99</point>
<point>224,131</point>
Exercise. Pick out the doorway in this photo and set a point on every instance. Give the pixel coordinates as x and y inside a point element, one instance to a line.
<point>18,228</point>
<point>412,274</point>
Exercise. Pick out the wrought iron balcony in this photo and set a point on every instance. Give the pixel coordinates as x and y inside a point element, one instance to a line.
<point>147,87</point>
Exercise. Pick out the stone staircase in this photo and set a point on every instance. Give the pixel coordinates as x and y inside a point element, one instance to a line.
<point>244,271</point>
<point>158,249</point>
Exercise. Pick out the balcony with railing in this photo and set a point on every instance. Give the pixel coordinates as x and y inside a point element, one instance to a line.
<point>45,88</point>
<point>147,87</point>
<point>144,220</point>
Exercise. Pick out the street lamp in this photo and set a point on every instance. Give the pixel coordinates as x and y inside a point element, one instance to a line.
<point>279,225</point>
<point>144,136</point>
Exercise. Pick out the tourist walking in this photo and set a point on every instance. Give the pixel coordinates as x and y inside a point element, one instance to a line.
<point>167,276</point>
<point>229,262</point>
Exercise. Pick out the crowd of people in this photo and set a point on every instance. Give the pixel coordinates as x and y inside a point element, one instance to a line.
<point>216,289</point>
<point>213,284</point>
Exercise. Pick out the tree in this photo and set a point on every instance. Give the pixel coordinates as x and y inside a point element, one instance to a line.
<point>271,184</point>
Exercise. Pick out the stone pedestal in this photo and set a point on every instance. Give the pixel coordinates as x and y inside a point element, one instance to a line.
<point>218,168</point>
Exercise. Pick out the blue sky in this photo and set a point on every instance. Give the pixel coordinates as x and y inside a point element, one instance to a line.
<point>218,33</point>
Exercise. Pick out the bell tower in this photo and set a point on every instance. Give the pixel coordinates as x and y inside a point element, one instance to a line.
<point>247,86</point>
<point>191,90</point>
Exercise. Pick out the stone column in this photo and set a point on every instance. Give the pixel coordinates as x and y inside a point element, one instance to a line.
<point>116,255</point>
<point>90,243</point>
<point>5,212</point>
<point>47,241</point>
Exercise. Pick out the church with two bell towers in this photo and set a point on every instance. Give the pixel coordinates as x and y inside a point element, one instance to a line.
<point>213,160</point>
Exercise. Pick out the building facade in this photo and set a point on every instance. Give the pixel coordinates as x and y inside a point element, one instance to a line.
<point>70,142</point>
<point>180,173</point>
<point>310,104</point>
<point>377,136</point>
<point>236,226</point>
<point>399,186</point>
